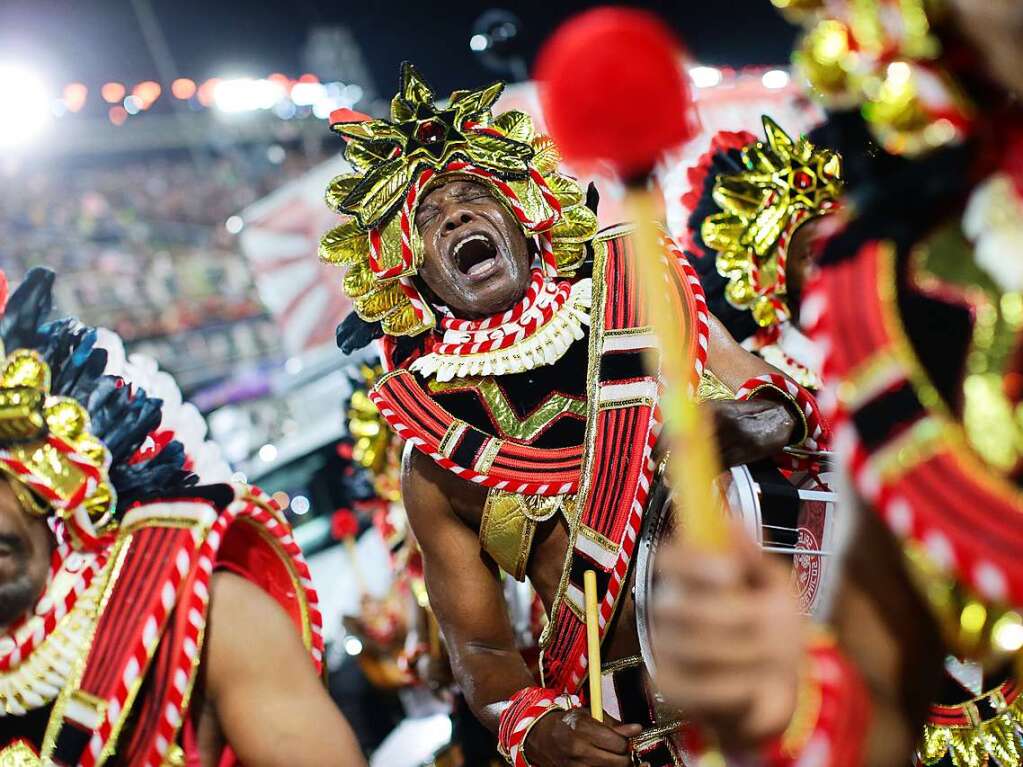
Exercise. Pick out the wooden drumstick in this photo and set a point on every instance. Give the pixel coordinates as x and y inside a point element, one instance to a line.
<point>593,642</point>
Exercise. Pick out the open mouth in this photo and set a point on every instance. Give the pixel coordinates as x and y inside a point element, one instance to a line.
<point>475,256</point>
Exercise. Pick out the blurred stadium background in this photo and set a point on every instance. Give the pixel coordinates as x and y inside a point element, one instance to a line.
<point>168,159</point>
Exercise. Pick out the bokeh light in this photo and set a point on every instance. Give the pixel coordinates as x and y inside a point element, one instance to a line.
<point>183,88</point>
<point>25,106</point>
<point>112,92</point>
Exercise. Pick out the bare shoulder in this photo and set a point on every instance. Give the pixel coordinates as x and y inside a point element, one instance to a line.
<point>245,622</point>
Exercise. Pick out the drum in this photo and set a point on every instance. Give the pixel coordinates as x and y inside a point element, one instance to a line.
<point>791,514</point>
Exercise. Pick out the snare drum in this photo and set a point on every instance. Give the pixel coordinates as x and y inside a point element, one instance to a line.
<point>791,514</point>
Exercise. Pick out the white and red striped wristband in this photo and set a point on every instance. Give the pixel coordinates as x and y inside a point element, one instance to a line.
<point>525,709</point>
<point>816,433</point>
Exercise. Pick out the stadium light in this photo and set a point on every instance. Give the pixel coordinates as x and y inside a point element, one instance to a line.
<point>25,106</point>
<point>148,91</point>
<point>775,79</point>
<point>112,92</point>
<point>246,95</point>
<point>75,95</point>
<point>705,77</point>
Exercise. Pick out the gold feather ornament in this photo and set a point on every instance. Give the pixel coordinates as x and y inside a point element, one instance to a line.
<point>48,449</point>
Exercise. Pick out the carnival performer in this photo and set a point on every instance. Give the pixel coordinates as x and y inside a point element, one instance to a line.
<point>917,310</point>
<point>754,209</point>
<point>147,619</point>
<point>530,436</point>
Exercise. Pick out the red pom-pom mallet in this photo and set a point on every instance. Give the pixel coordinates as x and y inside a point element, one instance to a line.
<point>614,90</point>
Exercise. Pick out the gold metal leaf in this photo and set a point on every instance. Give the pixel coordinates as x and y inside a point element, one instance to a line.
<point>516,125</point>
<point>370,130</point>
<point>400,110</point>
<point>578,224</point>
<point>777,139</point>
<point>26,367</point>
<point>345,244</point>
<point>471,103</point>
<point>546,155</point>
<point>569,256</point>
<point>567,190</point>
<point>722,231</point>
<point>404,322</point>
<point>414,88</point>
<point>358,281</point>
<point>499,154</point>
<point>339,188</point>
<point>379,303</point>
<point>365,157</point>
<point>379,191</point>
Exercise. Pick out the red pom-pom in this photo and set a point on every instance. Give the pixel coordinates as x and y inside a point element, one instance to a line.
<point>344,524</point>
<point>344,450</point>
<point>614,89</point>
<point>3,291</point>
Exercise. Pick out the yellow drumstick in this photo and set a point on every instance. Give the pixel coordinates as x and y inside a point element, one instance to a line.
<point>693,462</point>
<point>593,641</point>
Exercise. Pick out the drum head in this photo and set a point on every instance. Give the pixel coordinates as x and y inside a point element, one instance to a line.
<point>788,514</point>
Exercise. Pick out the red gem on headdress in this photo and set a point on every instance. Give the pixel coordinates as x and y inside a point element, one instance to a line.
<point>431,132</point>
<point>803,180</point>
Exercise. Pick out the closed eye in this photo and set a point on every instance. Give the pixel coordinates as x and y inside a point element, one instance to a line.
<point>425,215</point>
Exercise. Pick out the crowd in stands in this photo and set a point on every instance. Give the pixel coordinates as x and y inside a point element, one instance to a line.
<point>142,247</point>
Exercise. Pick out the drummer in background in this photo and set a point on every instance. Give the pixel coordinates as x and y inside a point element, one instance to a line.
<point>916,309</point>
<point>499,408</point>
<point>755,207</point>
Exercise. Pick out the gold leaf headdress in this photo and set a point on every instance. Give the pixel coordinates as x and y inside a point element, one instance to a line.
<point>784,183</point>
<point>883,56</point>
<point>376,447</point>
<point>396,160</point>
<point>46,445</point>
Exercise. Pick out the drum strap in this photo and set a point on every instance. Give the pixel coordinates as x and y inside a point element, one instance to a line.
<point>622,428</point>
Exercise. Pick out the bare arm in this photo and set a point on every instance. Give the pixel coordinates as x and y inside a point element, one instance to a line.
<point>466,596</point>
<point>465,591</point>
<point>726,359</point>
<point>746,431</point>
<point>261,685</point>
<point>884,627</point>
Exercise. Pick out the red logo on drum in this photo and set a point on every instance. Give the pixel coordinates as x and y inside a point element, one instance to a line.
<point>806,570</point>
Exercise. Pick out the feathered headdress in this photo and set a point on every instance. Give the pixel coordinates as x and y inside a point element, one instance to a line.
<point>397,159</point>
<point>747,199</point>
<point>77,442</point>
